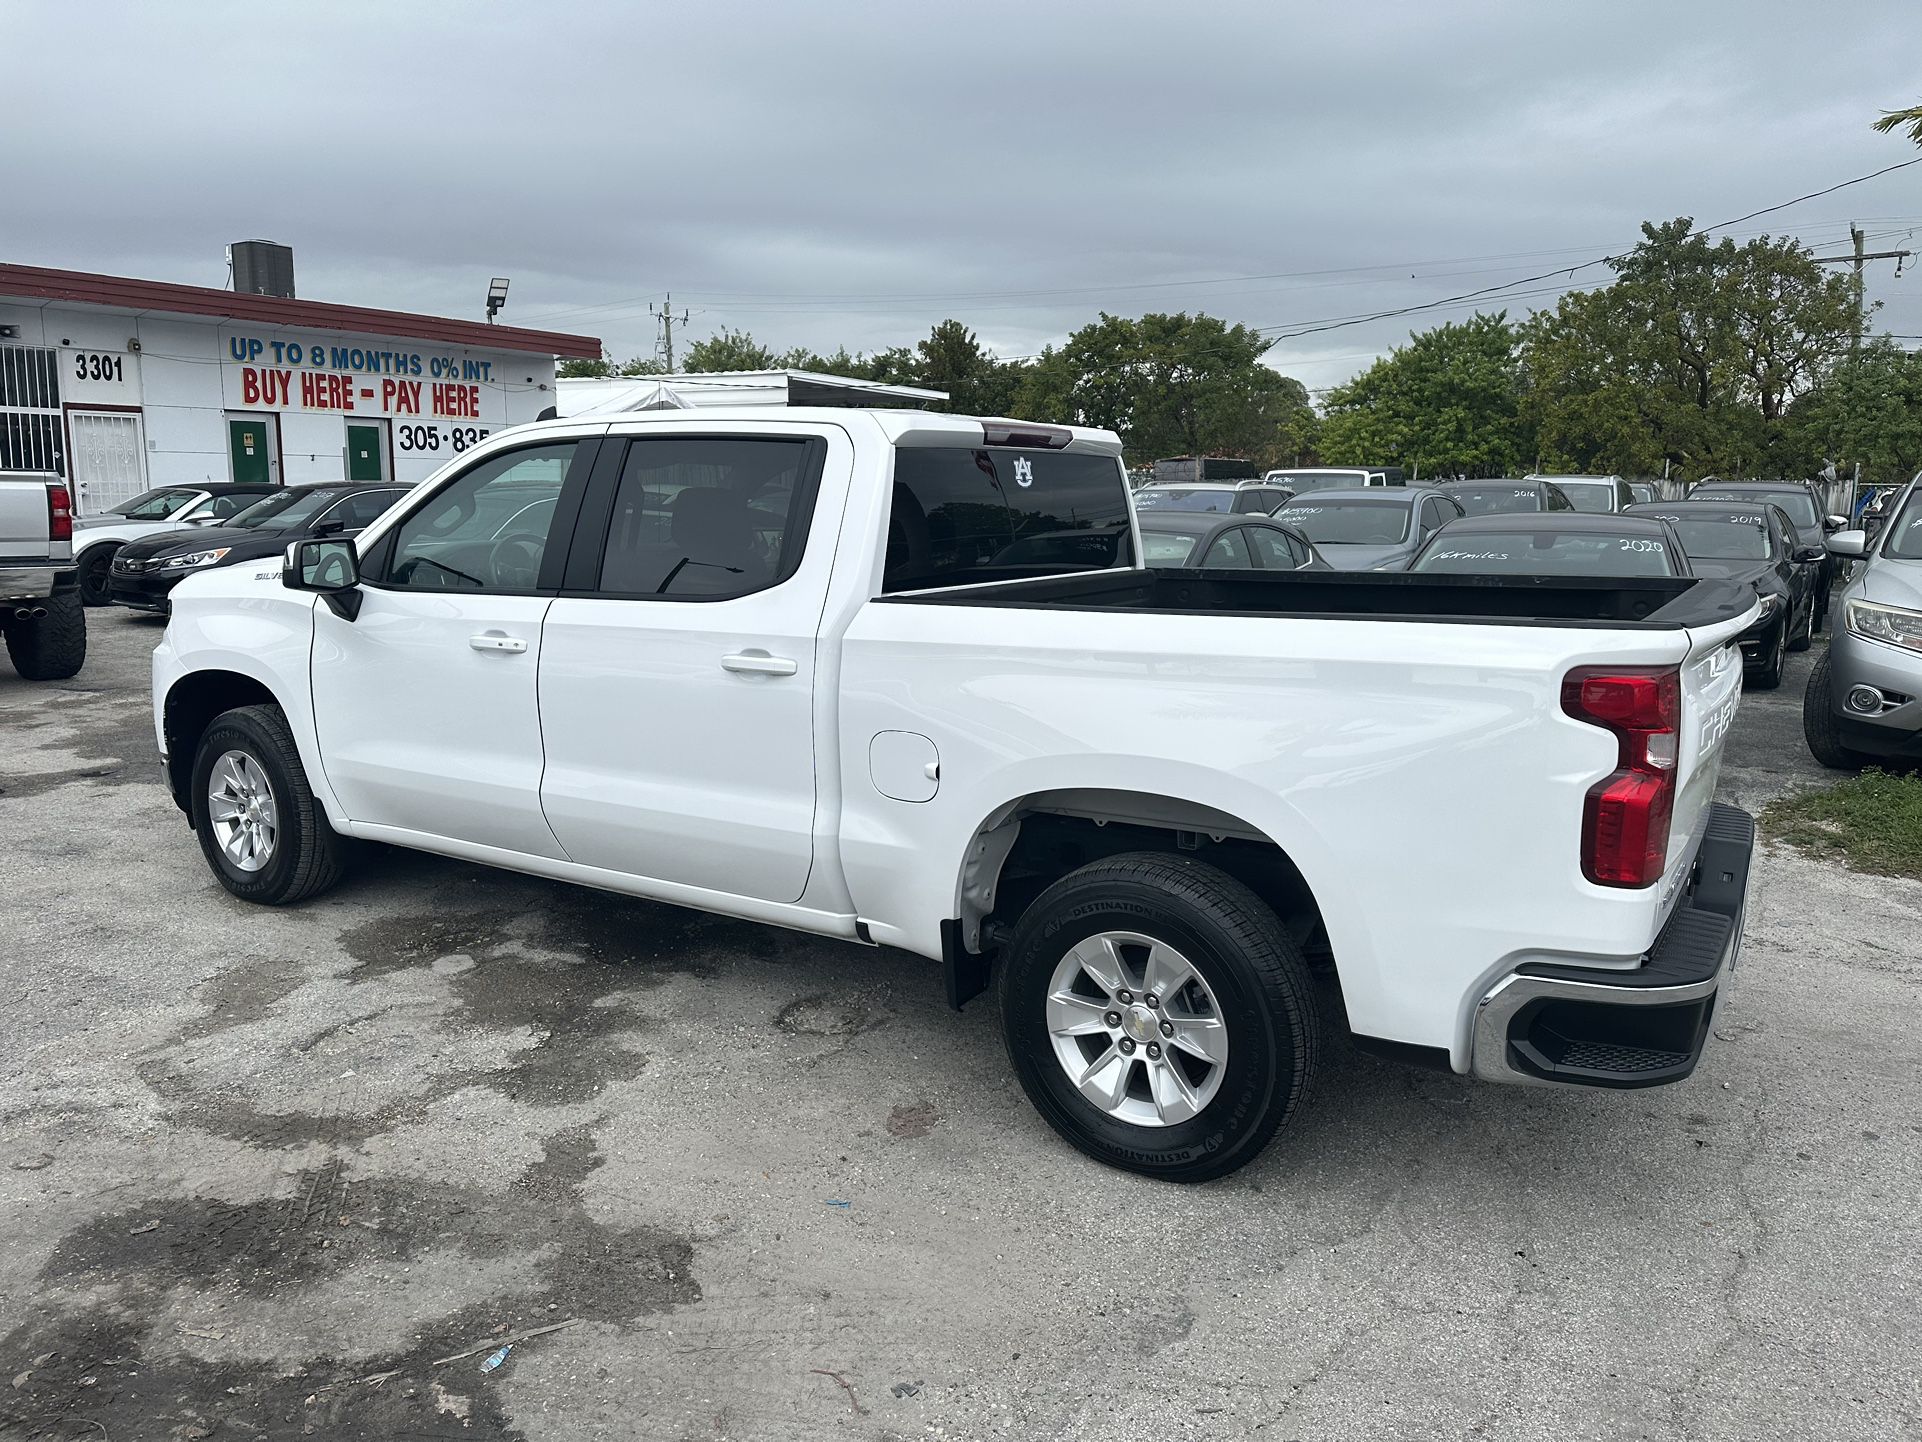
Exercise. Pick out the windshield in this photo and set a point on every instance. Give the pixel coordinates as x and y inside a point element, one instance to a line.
<point>1166,548</point>
<point>1905,536</point>
<point>154,505</point>
<point>1734,537</point>
<point>1301,482</point>
<point>1546,553</point>
<point>1496,500</point>
<point>1799,504</point>
<point>1595,497</point>
<point>1350,523</point>
<point>1176,498</point>
<point>289,508</point>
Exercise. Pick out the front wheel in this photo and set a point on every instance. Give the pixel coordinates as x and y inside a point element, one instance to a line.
<point>1158,1017</point>
<point>260,827</point>
<point>1768,675</point>
<point>96,576</point>
<point>1819,727</point>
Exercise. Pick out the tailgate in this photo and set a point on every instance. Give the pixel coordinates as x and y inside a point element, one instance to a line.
<point>1711,692</point>
<point>23,519</point>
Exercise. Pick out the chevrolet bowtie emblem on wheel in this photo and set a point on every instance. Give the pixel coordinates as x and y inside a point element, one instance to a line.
<point>1023,471</point>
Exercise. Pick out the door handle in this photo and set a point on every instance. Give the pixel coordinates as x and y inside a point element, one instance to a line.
<point>758,663</point>
<point>497,641</point>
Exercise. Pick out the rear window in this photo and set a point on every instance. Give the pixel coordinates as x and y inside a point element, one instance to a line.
<point>1546,553</point>
<point>1349,523</point>
<point>1167,548</point>
<point>966,515</point>
<point>1723,538</point>
<point>1800,505</point>
<point>1301,482</point>
<point>1496,500</point>
<point>1595,497</point>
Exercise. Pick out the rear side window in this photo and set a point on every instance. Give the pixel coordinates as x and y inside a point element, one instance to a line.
<point>964,515</point>
<point>708,517</point>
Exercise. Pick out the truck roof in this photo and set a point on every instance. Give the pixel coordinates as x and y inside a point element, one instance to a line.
<point>899,427</point>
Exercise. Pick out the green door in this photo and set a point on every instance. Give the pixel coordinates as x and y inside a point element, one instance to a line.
<point>247,445</point>
<point>363,454</point>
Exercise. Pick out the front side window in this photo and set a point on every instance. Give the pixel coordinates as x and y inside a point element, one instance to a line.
<point>359,509</point>
<point>961,515</point>
<point>457,541</point>
<point>222,507</point>
<point>707,517</point>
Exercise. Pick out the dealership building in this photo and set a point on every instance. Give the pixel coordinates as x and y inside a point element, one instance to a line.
<point>120,385</point>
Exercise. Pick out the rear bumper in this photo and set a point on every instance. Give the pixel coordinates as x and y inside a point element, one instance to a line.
<point>1572,1026</point>
<point>35,582</point>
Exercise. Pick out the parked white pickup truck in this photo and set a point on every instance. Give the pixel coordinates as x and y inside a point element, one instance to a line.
<point>777,666</point>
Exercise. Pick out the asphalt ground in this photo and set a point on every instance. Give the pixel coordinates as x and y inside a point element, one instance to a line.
<point>261,1171</point>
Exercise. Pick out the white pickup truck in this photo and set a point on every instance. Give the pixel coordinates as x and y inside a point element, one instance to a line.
<point>40,609</point>
<point>895,677</point>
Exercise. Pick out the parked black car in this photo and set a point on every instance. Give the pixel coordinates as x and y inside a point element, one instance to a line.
<point>1501,498</point>
<point>1752,541</point>
<point>144,571</point>
<point>1804,510</point>
<point>1207,540</point>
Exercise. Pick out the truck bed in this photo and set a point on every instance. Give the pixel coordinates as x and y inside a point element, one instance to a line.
<point>1652,602</point>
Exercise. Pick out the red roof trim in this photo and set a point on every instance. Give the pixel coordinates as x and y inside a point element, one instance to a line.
<point>32,281</point>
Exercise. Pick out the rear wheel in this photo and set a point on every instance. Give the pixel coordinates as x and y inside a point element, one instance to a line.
<point>1158,1017</point>
<point>49,647</point>
<point>96,576</point>
<point>260,827</point>
<point>1819,727</point>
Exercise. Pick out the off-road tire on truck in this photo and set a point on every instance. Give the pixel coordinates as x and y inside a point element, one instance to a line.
<point>1818,724</point>
<point>254,751</point>
<point>1253,979</point>
<point>50,647</point>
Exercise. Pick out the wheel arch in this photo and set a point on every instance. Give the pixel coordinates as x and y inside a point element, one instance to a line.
<point>190,706</point>
<point>1030,841</point>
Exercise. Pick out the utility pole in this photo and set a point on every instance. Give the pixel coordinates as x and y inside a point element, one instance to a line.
<point>1856,258</point>
<point>665,315</point>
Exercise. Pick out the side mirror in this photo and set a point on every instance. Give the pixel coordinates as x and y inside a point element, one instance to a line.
<point>1806,554</point>
<point>331,568</point>
<point>1834,523</point>
<point>329,528</point>
<point>1847,543</point>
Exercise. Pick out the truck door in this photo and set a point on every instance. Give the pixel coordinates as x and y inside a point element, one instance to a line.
<point>425,702</point>
<point>678,671</point>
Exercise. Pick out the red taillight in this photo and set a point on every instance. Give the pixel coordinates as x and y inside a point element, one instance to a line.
<point>59,513</point>
<point>1625,823</point>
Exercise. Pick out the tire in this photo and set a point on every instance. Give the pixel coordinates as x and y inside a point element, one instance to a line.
<point>305,856</point>
<point>1803,637</point>
<point>50,647</point>
<point>1768,676</point>
<point>96,580</point>
<point>1253,982</point>
<point>1818,723</point>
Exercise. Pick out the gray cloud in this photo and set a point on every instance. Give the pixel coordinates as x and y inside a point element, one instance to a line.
<point>829,173</point>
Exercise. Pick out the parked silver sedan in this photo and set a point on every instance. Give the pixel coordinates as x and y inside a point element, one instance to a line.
<point>1862,705</point>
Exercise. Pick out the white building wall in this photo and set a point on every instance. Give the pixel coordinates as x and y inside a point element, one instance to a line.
<point>187,376</point>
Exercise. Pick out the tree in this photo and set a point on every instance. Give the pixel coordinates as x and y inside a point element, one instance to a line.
<point>952,359</point>
<point>1690,358</point>
<point>1171,385</point>
<point>1910,120</point>
<point>1447,403</point>
<point>636,366</point>
<point>729,350</point>
<point>1867,412</point>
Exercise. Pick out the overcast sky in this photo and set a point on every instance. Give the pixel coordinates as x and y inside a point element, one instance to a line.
<point>827,173</point>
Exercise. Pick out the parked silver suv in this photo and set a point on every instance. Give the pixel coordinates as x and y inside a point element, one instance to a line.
<point>1862,702</point>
